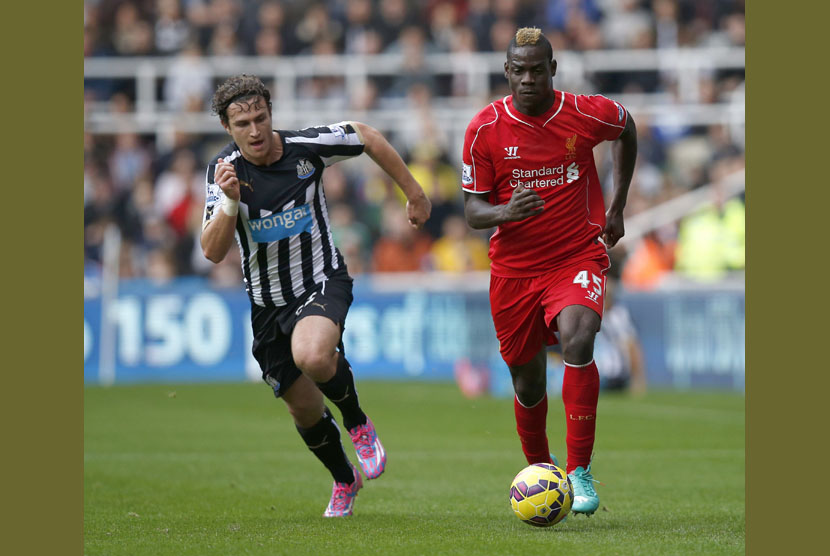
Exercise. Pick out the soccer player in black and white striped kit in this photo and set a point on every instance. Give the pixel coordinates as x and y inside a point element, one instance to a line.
<point>265,190</point>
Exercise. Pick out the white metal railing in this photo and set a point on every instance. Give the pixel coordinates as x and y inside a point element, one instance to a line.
<point>674,210</point>
<point>682,61</point>
<point>475,70</point>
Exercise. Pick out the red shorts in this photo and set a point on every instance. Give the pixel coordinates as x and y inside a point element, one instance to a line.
<point>524,309</point>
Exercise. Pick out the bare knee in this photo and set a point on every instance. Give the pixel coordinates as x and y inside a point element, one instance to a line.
<point>530,380</point>
<point>314,347</point>
<point>578,327</point>
<point>529,390</point>
<point>578,347</point>
<point>315,360</point>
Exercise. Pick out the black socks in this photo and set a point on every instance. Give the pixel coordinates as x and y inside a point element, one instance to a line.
<point>341,391</point>
<point>323,439</point>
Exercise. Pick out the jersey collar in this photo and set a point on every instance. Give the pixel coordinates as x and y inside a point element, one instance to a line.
<point>535,121</point>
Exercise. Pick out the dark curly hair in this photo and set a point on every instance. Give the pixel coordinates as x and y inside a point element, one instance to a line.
<point>237,88</point>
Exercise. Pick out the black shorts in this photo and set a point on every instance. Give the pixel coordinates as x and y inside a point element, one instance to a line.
<point>273,326</point>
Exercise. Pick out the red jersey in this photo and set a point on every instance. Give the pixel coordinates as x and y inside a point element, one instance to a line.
<point>553,155</point>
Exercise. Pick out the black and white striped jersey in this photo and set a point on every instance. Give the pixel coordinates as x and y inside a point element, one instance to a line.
<point>282,227</point>
<point>611,346</point>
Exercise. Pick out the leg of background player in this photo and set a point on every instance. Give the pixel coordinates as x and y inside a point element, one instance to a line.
<point>531,407</point>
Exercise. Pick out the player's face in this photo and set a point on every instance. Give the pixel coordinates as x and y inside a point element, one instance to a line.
<point>529,72</point>
<point>249,123</point>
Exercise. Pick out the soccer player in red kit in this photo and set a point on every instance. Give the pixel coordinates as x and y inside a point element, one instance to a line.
<point>528,168</point>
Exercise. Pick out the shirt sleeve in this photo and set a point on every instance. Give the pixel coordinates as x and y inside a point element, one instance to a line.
<point>332,143</point>
<point>477,172</point>
<point>604,118</point>
<point>214,196</point>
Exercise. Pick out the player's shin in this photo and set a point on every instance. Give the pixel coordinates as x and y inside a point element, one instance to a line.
<point>531,426</point>
<point>580,393</point>
<point>340,389</point>
<point>323,439</point>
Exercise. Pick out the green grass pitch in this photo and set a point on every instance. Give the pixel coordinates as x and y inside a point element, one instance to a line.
<point>219,469</point>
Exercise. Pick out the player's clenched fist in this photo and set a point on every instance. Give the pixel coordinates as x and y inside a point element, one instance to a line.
<point>524,203</point>
<point>614,228</point>
<point>225,178</point>
<point>418,210</point>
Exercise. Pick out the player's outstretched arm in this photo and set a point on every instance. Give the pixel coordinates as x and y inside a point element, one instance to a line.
<point>624,154</point>
<point>480,214</point>
<point>217,236</point>
<point>418,205</point>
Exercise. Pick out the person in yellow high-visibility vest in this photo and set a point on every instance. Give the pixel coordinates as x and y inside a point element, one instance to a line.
<point>710,242</point>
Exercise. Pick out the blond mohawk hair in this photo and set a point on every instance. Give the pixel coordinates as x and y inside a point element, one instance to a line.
<point>528,36</point>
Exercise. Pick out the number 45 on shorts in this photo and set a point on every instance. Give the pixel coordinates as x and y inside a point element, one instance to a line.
<point>581,278</point>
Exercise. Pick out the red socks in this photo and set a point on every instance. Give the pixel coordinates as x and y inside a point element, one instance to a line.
<point>580,392</point>
<point>530,423</point>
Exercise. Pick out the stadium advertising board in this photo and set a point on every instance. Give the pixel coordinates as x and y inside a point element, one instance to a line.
<point>185,331</point>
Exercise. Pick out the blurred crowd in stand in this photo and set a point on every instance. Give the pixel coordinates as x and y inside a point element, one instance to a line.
<point>155,193</point>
